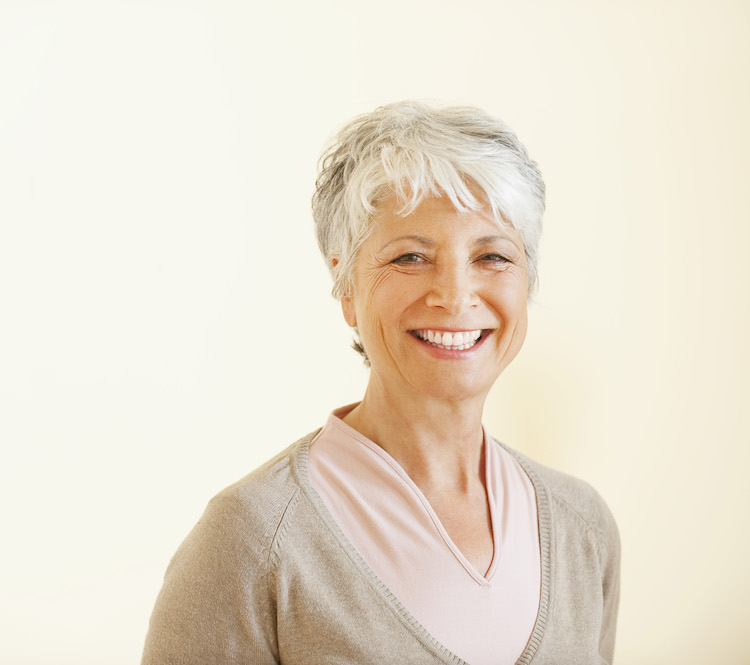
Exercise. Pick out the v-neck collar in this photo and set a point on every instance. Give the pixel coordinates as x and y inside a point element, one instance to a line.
<point>300,463</point>
<point>403,477</point>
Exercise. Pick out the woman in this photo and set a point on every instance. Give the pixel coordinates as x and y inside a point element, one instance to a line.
<point>401,532</point>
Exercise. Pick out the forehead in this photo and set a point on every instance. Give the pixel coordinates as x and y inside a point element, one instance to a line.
<point>437,215</point>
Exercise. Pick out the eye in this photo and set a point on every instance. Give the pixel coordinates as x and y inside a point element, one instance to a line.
<point>494,258</point>
<point>408,259</point>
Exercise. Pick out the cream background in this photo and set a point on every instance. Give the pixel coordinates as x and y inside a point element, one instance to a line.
<point>166,324</point>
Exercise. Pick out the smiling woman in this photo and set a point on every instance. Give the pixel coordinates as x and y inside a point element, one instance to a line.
<point>443,273</point>
<point>401,532</point>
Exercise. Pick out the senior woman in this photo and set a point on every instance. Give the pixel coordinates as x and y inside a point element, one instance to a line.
<point>401,532</point>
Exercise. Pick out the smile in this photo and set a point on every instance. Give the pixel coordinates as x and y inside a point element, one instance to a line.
<point>453,341</point>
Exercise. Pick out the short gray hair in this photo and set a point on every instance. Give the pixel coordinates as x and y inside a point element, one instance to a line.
<point>415,150</point>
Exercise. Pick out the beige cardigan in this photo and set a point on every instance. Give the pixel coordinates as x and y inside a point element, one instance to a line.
<point>266,576</point>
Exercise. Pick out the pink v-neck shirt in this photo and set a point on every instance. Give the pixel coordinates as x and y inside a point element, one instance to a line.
<point>484,619</point>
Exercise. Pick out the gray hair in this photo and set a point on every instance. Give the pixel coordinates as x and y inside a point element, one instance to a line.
<point>415,150</point>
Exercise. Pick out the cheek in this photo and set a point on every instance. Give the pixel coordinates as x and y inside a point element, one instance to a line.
<point>511,293</point>
<point>380,309</point>
<point>521,328</point>
<point>378,314</point>
<point>519,302</point>
<point>379,295</point>
<point>512,303</point>
<point>519,307</point>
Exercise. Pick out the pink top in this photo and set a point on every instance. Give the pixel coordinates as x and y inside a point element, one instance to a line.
<point>483,619</point>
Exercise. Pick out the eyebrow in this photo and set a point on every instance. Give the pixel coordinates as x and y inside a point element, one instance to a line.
<point>487,240</point>
<point>483,240</point>
<point>420,239</point>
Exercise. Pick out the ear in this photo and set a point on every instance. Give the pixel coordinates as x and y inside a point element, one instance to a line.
<point>347,307</point>
<point>347,302</point>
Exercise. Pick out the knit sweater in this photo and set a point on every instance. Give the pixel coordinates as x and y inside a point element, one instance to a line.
<point>267,576</point>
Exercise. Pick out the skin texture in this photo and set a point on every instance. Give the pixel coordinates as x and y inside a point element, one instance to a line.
<point>444,270</point>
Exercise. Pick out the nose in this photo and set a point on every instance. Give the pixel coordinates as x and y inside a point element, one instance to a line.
<point>453,289</point>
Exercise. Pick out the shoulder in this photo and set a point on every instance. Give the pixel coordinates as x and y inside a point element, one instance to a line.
<point>573,500</point>
<point>215,602</point>
<point>580,548</point>
<point>241,523</point>
<point>257,503</point>
<point>580,498</point>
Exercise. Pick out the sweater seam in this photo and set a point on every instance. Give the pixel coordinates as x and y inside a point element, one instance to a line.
<point>281,528</point>
<point>596,535</point>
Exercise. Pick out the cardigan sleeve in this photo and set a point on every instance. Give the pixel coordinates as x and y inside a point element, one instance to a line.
<point>610,570</point>
<point>215,607</point>
<point>587,573</point>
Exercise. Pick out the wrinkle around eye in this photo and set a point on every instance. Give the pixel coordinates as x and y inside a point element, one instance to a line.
<point>376,276</point>
<point>500,264</point>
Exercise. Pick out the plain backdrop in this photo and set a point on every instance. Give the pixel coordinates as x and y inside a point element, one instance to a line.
<point>165,317</point>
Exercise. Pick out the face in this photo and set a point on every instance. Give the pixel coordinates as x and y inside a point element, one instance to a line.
<point>440,300</point>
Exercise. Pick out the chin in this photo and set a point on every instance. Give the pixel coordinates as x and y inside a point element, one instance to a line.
<point>452,389</point>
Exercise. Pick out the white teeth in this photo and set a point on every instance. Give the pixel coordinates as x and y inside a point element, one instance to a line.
<point>457,341</point>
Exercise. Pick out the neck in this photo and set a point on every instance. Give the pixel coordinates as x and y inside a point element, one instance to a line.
<point>437,442</point>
